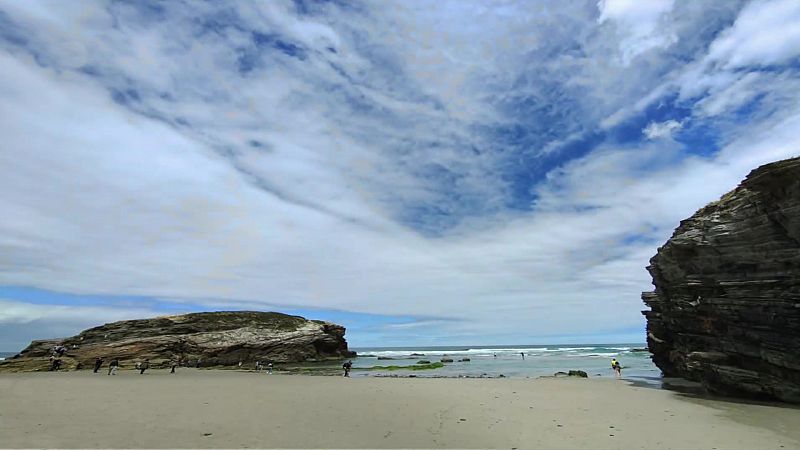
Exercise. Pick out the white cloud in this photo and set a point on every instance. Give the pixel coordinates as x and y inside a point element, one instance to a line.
<point>655,130</point>
<point>765,33</point>
<point>15,312</point>
<point>230,171</point>
<point>641,23</point>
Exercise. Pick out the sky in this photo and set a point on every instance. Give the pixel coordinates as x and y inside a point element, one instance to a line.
<point>421,172</point>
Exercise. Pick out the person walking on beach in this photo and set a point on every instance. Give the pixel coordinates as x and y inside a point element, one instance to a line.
<point>269,368</point>
<point>258,366</point>
<point>523,355</point>
<point>113,366</point>
<point>97,363</point>
<point>347,366</point>
<point>617,367</point>
<point>173,364</point>
<point>144,366</point>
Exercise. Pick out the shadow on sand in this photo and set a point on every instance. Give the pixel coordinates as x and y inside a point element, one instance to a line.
<point>692,390</point>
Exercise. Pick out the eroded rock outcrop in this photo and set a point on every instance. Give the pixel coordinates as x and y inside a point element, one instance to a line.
<point>726,305</point>
<point>207,339</point>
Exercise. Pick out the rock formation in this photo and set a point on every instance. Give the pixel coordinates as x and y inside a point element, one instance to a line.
<point>726,305</point>
<point>205,339</point>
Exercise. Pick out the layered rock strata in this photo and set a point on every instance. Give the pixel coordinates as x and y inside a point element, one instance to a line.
<point>726,305</point>
<point>199,339</point>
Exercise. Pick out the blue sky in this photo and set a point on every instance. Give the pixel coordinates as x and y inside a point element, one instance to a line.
<point>424,173</point>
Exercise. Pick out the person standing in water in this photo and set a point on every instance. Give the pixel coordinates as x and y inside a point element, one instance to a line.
<point>617,367</point>
<point>523,355</point>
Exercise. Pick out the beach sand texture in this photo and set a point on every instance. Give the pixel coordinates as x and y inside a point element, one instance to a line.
<point>208,408</point>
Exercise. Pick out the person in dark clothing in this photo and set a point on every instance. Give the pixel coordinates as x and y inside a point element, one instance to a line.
<point>347,366</point>
<point>173,364</point>
<point>97,363</point>
<point>113,366</point>
<point>55,365</point>
<point>144,366</point>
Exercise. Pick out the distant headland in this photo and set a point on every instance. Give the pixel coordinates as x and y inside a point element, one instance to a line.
<point>205,339</point>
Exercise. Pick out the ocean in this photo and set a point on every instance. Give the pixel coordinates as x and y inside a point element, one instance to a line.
<point>493,361</point>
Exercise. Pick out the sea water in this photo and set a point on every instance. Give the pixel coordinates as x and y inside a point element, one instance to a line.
<point>507,360</point>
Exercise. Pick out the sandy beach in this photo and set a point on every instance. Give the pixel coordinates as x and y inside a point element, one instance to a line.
<point>205,408</point>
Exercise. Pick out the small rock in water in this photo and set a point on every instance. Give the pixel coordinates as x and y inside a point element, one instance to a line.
<point>207,434</point>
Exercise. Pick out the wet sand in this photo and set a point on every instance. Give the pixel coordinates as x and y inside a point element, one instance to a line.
<point>206,408</point>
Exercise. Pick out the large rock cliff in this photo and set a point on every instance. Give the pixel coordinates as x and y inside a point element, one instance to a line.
<point>205,339</point>
<point>726,305</point>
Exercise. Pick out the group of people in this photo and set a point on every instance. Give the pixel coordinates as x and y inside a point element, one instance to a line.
<point>114,365</point>
<point>55,357</point>
<point>260,366</point>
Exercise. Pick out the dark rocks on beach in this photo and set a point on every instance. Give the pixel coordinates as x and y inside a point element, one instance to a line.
<point>572,373</point>
<point>726,307</point>
<point>385,358</point>
<point>418,354</point>
<point>464,360</point>
<point>446,360</point>
<point>213,338</point>
<point>424,361</point>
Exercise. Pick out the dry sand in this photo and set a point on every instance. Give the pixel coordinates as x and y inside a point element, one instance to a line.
<point>199,408</point>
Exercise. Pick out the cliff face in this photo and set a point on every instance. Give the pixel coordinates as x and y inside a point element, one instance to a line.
<point>212,339</point>
<point>726,305</point>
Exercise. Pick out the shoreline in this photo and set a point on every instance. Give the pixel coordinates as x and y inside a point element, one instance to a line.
<point>221,408</point>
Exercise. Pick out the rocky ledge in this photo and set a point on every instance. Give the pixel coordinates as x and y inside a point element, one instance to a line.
<point>199,339</point>
<point>726,306</point>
